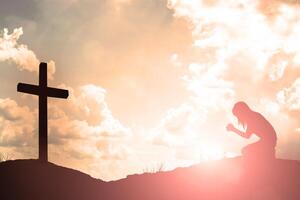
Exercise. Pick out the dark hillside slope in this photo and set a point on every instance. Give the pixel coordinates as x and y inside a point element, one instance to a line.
<point>225,179</point>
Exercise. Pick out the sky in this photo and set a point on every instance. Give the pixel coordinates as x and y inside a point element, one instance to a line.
<point>152,82</point>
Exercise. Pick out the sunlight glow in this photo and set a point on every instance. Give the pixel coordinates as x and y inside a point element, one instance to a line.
<point>211,152</point>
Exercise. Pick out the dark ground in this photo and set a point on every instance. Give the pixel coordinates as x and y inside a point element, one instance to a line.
<point>226,179</point>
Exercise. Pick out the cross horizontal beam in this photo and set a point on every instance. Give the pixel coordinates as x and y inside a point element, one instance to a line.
<point>36,90</point>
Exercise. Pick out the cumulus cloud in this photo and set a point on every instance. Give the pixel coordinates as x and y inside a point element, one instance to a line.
<point>17,129</point>
<point>88,104</point>
<point>176,125</point>
<point>290,96</point>
<point>85,129</point>
<point>239,28</point>
<point>25,58</point>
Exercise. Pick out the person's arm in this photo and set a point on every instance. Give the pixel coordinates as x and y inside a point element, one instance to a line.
<point>246,134</point>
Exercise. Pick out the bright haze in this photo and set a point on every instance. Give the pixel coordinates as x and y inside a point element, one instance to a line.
<point>152,83</point>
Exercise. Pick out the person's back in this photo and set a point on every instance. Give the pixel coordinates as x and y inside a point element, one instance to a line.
<point>261,127</point>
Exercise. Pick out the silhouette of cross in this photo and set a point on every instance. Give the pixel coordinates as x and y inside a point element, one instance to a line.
<point>43,91</point>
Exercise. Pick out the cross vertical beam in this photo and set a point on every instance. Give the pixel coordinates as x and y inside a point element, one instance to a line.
<point>43,113</point>
<point>43,91</point>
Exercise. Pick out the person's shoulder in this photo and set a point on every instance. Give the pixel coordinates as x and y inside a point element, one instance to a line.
<point>258,116</point>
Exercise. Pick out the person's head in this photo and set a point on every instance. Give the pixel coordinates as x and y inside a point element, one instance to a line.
<point>241,110</point>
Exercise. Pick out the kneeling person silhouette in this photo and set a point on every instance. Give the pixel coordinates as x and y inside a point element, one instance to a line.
<point>256,124</point>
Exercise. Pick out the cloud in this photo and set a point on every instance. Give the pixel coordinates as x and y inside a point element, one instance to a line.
<point>256,36</point>
<point>25,59</point>
<point>17,129</point>
<point>290,96</point>
<point>85,129</point>
<point>176,127</point>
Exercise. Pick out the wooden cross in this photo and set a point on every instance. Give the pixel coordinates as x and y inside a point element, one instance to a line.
<point>43,91</point>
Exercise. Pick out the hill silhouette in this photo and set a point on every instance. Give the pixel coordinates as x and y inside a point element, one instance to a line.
<point>233,178</point>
